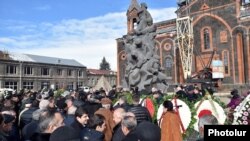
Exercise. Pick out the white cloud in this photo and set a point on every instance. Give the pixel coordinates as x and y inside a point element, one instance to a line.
<point>163,14</point>
<point>43,8</point>
<point>6,40</point>
<point>86,41</point>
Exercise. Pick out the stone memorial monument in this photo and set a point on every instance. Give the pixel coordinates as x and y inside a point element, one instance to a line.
<point>143,68</point>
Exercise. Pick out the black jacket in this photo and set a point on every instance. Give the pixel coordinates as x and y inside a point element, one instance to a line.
<point>26,116</point>
<point>77,126</point>
<point>29,129</point>
<point>40,137</point>
<point>131,136</point>
<point>91,135</point>
<point>141,113</point>
<point>118,134</point>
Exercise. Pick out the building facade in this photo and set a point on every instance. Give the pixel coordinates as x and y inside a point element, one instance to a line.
<point>95,74</point>
<point>222,26</point>
<point>18,71</point>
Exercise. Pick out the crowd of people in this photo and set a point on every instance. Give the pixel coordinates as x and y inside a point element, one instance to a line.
<point>92,116</point>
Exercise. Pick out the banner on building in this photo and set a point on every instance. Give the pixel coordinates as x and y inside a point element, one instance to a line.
<point>217,69</point>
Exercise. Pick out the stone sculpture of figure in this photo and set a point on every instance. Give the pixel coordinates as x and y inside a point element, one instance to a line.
<point>143,63</point>
<point>145,21</point>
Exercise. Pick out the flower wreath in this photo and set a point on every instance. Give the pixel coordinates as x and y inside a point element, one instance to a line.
<point>242,112</point>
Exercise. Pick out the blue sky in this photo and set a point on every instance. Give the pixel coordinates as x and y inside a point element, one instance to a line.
<point>84,30</point>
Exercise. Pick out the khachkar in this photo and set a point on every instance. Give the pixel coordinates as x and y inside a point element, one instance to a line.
<point>143,68</point>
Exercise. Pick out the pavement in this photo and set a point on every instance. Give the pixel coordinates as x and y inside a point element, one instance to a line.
<point>223,96</point>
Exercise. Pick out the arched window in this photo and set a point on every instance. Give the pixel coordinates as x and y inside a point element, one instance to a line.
<point>206,38</point>
<point>226,61</point>
<point>134,23</point>
<point>169,64</point>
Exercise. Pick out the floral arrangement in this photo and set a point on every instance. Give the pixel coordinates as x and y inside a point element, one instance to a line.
<point>242,112</point>
<point>190,130</point>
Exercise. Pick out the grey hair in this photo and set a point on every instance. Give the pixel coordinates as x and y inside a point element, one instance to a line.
<point>46,119</point>
<point>36,114</point>
<point>207,120</point>
<point>129,122</point>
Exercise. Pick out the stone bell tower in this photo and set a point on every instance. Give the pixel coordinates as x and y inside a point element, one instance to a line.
<point>132,15</point>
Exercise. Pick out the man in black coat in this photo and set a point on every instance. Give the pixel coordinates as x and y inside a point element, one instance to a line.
<point>118,114</point>
<point>128,128</point>
<point>81,120</point>
<point>141,113</point>
<point>154,134</point>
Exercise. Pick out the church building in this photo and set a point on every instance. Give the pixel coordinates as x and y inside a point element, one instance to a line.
<point>221,31</point>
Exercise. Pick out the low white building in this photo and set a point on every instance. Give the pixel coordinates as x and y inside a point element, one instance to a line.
<point>35,72</point>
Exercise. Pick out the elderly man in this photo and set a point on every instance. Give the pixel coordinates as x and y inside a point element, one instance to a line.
<point>48,122</point>
<point>129,124</point>
<point>206,120</point>
<point>118,114</point>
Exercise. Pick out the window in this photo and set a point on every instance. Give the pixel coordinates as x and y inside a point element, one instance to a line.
<point>44,84</point>
<point>45,71</point>
<point>11,84</point>
<point>59,72</point>
<point>28,85</point>
<point>226,61</point>
<point>93,81</point>
<point>28,70</point>
<point>169,64</point>
<point>135,23</point>
<point>11,69</point>
<point>206,38</point>
<point>59,85</point>
<point>70,86</point>
<point>69,73</point>
<point>80,73</point>
<point>79,84</point>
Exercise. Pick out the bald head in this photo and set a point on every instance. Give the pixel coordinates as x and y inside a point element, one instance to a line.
<point>118,115</point>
